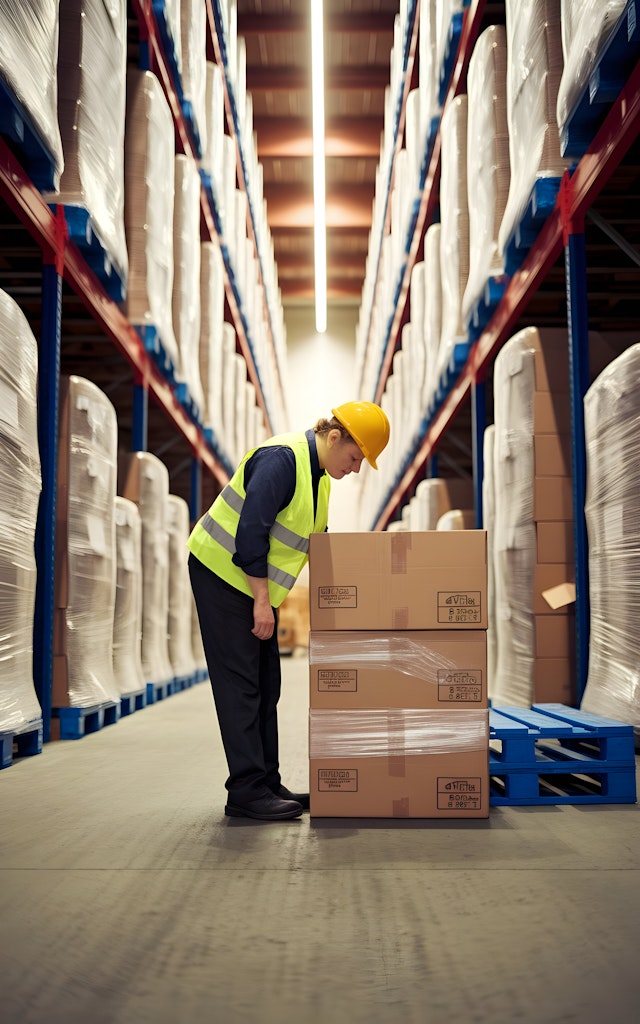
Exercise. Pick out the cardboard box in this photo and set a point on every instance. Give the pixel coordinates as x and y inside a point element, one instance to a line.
<point>551,361</point>
<point>398,581</point>
<point>411,669</point>
<point>399,764</point>
<point>546,577</point>
<point>555,636</point>
<point>554,681</point>
<point>552,455</point>
<point>551,413</point>
<point>554,542</point>
<point>552,499</point>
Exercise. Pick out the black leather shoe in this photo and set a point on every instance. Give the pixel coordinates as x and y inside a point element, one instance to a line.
<point>267,808</point>
<point>301,798</point>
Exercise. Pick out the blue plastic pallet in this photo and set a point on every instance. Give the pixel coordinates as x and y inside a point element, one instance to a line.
<point>552,754</point>
<point>190,406</point>
<point>78,722</point>
<point>83,233</point>
<point>451,52</point>
<point>160,691</point>
<point>131,702</point>
<point>612,70</point>
<point>28,741</point>
<point>540,204</point>
<point>486,305</point>
<point>152,342</point>
<point>17,125</point>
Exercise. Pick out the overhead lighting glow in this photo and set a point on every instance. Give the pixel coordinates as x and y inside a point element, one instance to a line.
<point>319,192</point>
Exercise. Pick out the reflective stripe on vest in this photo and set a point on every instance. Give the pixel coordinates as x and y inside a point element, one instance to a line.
<point>227,541</point>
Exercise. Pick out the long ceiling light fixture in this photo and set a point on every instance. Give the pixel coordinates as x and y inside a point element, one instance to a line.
<point>319,190</point>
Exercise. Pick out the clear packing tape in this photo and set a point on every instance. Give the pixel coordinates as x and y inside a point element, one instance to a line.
<point>407,732</point>
<point>586,28</point>
<point>20,485</point>
<point>612,508</point>
<point>345,649</point>
<point>28,57</point>
<point>91,112</point>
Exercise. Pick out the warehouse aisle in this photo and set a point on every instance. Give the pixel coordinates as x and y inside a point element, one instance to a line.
<point>128,898</point>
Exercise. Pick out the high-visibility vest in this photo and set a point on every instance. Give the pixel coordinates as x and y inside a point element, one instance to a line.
<point>213,538</point>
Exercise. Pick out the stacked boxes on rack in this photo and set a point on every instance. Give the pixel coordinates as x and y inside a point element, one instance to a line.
<point>398,721</point>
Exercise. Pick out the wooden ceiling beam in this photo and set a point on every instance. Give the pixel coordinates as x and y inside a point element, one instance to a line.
<point>291,137</point>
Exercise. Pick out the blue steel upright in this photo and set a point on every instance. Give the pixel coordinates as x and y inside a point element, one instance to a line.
<point>479,423</point>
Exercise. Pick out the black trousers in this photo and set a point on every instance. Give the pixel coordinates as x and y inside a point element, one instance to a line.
<point>245,679</point>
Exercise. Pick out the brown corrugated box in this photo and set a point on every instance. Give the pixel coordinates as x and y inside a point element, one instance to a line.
<point>554,542</point>
<point>397,581</point>
<point>411,669</point>
<point>552,455</point>
<point>552,499</point>
<point>405,764</point>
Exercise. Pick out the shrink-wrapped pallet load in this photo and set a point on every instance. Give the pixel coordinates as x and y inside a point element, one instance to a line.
<point>212,156</point>
<point>211,332</point>
<point>85,553</point>
<point>193,41</point>
<point>228,390</point>
<point>586,28</point>
<point>28,57</point>
<point>612,508</point>
<point>92,60</point>
<point>144,479</point>
<point>457,519</point>
<point>533,516</point>
<point>454,235</point>
<point>534,67</point>
<point>428,70</point>
<point>149,197</point>
<point>487,161</point>
<point>127,624</point>
<point>185,302</point>
<point>432,310</point>
<point>179,620</point>
<point>20,484</point>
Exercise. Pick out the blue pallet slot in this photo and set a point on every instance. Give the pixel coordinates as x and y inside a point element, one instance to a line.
<point>540,204</point>
<point>160,691</point>
<point>614,65</point>
<point>82,233</point>
<point>78,722</point>
<point>169,48</point>
<point>190,406</point>
<point>130,702</point>
<point>486,305</point>
<point>19,127</point>
<point>27,741</point>
<point>453,41</point>
<point>190,120</point>
<point>552,754</point>
<point>152,342</point>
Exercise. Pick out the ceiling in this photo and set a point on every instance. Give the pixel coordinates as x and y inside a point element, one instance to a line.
<point>358,43</point>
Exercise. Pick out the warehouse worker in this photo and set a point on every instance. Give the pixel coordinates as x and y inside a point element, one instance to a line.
<point>246,553</point>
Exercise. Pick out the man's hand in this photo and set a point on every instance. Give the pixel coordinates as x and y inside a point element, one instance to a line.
<point>263,617</point>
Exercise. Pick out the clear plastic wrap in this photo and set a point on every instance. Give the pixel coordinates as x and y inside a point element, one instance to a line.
<point>85,547</point>
<point>20,484</point>
<point>149,198</point>
<point>127,624</point>
<point>179,620</point>
<point>144,479</point>
<point>28,59</point>
<point>432,310</point>
<point>212,155</point>
<point>534,68</point>
<point>383,732</point>
<point>211,331</point>
<point>185,304</point>
<point>91,111</point>
<point>586,27</point>
<point>488,519</point>
<point>454,236</point>
<point>411,655</point>
<point>487,161</point>
<point>193,40</point>
<point>612,508</point>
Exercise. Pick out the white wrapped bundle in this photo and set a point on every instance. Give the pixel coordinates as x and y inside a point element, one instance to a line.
<point>85,547</point>
<point>534,68</point>
<point>444,13</point>
<point>144,479</point>
<point>612,508</point>
<point>454,236</point>
<point>428,68</point>
<point>185,303</point>
<point>212,155</point>
<point>240,407</point>
<point>586,28</point>
<point>227,197</point>
<point>92,60</point>
<point>419,354</point>
<point>488,522</point>
<point>211,330</point>
<point>180,606</point>
<point>28,57</point>
<point>432,310</point>
<point>457,519</point>
<point>127,623</point>
<point>228,390</point>
<point>20,483</point>
<point>487,161</point>
<point>193,41</point>
<point>149,198</point>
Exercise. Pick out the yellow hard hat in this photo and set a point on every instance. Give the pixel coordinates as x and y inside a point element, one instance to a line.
<point>368,425</point>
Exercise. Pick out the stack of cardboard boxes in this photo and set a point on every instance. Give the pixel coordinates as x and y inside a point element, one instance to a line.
<point>398,720</point>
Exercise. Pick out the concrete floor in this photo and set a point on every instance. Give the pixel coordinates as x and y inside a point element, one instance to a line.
<point>126,896</point>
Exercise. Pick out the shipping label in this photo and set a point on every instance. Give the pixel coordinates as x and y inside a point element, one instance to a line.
<point>460,685</point>
<point>337,780</point>
<point>459,794</point>
<point>459,606</point>
<point>337,597</point>
<point>340,680</point>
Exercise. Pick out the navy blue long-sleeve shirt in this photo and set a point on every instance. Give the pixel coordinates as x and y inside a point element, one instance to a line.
<point>269,483</point>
